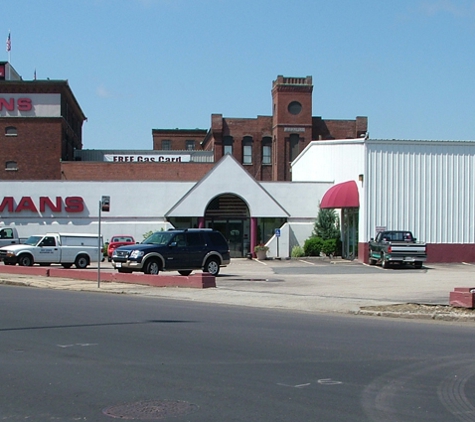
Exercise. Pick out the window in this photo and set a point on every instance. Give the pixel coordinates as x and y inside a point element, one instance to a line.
<point>11,131</point>
<point>294,146</point>
<point>267,150</point>
<point>247,150</point>
<point>166,145</point>
<point>48,241</point>
<point>195,239</point>
<point>11,166</point>
<point>190,145</point>
<point>294,108</point>
<point>228,145</point>
<point>6,233</point>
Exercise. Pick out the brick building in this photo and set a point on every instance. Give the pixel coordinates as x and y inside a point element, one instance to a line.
<point>266,145</point>
<point>40,126</point>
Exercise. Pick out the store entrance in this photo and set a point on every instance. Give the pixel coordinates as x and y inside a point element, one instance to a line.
<point>229,214</point>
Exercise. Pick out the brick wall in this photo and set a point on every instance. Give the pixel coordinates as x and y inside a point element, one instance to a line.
<point>36,149</point>
<point>79,170</point>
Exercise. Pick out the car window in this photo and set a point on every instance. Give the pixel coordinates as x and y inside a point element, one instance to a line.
<point>195,239</point>
<point>180,239</point>
<point>49,241</point>
<point>159,238</point>
<point>218,240</point>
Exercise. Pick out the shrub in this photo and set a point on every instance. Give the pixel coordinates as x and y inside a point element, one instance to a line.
<point>313,246</point>
<point>327,225</point>
<point>329,247</point>
<point>297,251</point>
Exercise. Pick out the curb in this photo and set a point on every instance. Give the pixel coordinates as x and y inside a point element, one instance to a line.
<point>197,281</point>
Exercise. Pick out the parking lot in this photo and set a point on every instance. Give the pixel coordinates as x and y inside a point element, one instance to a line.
<point>298,284</point>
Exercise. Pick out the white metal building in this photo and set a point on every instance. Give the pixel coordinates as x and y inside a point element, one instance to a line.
<point>427,187</point>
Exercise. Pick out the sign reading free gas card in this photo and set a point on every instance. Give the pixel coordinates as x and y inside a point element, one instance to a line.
<point>156,158</point>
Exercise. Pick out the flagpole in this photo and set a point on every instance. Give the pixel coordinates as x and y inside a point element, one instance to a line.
<point>9,47</point>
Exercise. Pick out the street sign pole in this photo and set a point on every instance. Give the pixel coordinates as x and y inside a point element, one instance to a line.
<point>277,235</point>
<point>99,248</point>
<point>104,205</point>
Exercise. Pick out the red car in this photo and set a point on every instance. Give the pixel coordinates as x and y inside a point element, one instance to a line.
<point>119,240</point>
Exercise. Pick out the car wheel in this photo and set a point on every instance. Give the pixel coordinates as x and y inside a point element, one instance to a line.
<point>212,266</point>
<point>418,264</point>
<point>384,261</point>
<point>183,272</point>
<point>82,261</point>
<point>152,266</point>
<point>25,260</point>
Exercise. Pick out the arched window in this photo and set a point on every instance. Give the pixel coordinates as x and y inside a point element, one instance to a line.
<point>267,150</point>
<point>247,150</point>
<point>11,131</point>
<point>11,166</point>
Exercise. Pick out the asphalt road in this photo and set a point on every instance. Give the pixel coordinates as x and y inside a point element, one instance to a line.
<point>69,356</point>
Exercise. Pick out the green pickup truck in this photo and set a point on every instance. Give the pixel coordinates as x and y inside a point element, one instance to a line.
<point>398,246</point>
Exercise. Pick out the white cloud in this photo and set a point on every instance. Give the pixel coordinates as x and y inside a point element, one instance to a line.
<point>102,92</point>
<point>455,8</point>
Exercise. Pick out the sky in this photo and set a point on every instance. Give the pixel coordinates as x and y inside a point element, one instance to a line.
<point>138,65</point>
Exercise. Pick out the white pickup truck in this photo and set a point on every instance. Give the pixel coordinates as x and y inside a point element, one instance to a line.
<point>54,248</point>
<point>9,236</point>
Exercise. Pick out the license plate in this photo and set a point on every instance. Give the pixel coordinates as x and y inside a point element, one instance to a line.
<point>118,264</point>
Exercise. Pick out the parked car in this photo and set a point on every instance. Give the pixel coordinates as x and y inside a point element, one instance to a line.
<point>180,250</point>
<point>54,248</point>
<point>9,236</point>
<point>118,240</point>
<point>396,246</point>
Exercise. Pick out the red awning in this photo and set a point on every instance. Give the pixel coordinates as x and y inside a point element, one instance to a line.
<point>342,195</point>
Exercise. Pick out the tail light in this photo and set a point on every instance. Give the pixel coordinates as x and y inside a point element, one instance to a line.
<point>390,249</point>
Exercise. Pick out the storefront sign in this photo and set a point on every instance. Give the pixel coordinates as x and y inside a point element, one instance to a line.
<point>294,129</point>
<point>30,105</point>
<point>71,204</point>
<point>147,158</point>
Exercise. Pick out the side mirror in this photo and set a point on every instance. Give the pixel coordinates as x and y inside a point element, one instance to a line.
<point>372,239</point>
<point>172,245</point>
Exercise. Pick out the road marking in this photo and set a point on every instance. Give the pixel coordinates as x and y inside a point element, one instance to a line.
<point>294,386</point>
<point>328,381</point>
<point>64,346</point>
<point>307,262</point>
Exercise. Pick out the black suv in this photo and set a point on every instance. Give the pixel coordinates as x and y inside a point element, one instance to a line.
<point>179,250</point>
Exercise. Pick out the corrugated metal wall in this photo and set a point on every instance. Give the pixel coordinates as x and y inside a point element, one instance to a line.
<point>427,187</point>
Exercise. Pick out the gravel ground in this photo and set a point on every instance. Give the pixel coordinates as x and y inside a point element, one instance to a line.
<point>416,310</point>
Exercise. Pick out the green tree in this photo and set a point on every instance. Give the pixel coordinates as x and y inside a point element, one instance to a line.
<point>327,225</point>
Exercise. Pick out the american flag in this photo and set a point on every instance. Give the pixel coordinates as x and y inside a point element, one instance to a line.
<point>9,42</point>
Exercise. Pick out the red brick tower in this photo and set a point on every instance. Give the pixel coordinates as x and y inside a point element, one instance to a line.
<point>291,122</point>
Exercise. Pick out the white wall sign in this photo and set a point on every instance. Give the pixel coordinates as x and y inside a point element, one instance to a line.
<point>30,105</point>
<point>123,158</point>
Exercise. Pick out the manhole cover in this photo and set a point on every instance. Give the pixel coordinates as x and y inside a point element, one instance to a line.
<point>150,410</point>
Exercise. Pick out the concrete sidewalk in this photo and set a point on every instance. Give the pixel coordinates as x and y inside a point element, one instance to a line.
<point>304,285</point>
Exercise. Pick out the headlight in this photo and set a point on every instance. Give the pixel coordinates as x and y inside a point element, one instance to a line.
<point>11,254</point>
<point>136,254</point>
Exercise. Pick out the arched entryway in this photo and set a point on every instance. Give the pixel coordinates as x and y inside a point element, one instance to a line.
<point>229,214</point>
